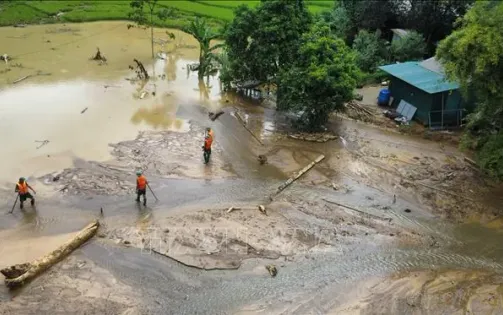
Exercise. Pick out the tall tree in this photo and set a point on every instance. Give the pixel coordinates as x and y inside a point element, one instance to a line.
<point>204,35</point>
<point>144,11</point>
<point>432,18</point>
<point>262,40</point>
<point>473,56</point>
<point>322,78</point>
<point>369,15</point>
<point>371,51</point>
<point>410,47</point>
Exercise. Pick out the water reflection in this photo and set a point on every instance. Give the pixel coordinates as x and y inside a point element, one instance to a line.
<point>159,117</point>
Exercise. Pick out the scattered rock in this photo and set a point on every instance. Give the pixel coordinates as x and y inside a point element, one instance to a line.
<point>407,210</point>
<point>261,208</point>
<point>126,242</point>
<point>166,231</point>
<point>102,235</point>
<point>272,270</point>
<point>262,159</point>
<point>391,234</point>
<point>335,187</point>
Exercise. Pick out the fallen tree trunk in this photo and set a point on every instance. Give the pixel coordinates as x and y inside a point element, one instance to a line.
<point>17,275</point>
<point>299,174</point>
<point>238,116</point>
<point>356,210</point>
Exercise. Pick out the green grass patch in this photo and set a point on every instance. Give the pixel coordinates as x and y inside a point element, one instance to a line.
<point>229,4</point>
<point>19,13</point>
<point>40,12</point>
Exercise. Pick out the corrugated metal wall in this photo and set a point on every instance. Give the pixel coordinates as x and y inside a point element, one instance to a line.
<point>420,99</point>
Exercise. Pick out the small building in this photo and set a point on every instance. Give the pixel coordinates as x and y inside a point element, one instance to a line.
<point>423,88</point>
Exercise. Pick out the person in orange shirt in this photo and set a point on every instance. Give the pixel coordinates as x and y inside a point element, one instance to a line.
<point>22,189</point>
<point>208,141</point>
<point>141,187</point>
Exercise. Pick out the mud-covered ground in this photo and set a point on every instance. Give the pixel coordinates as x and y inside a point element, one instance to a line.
<point>383,217</point>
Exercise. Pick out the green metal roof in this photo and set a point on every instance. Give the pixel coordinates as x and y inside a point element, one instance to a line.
<point>413,73</point>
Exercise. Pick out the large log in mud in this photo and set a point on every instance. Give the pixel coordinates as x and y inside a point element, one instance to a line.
<point>17,275</point>
<point>298,175</point>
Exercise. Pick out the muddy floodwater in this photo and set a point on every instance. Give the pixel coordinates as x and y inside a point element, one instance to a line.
<point>384,224</point>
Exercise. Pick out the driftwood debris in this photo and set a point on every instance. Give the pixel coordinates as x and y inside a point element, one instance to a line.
<point>83,111</point>
<point>358,108</point>
<point>214,116</point>
<point>22,79</point>
<point>356,210</point>
<point>42,143</point>
<point>17,275</point>
<point>238,116</point>
<point>140,70</point>
<point>98,56</point>
<point>232,209</point>
<point>299,174</point>
<point>273,271</point>
<point>313,137</point>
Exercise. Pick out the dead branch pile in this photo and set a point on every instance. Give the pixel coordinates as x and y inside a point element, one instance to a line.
<point>313,137</point>
<point>17,275</point>
<point>98,56</point>
<point>357,107</point>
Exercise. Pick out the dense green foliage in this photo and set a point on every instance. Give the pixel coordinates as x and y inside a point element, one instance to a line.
<point>321,79</point>
<point>371,50</point>
<point>473,55</point>
<point>262,40</point>
<point>433,19</point>
<point>410,47</point>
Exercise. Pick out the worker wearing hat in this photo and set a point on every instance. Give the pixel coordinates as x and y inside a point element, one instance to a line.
<point>141,187</point>
<point>22,189</point>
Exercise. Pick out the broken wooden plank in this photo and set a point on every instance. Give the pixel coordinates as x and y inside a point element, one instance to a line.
<point>17,275</point>
<point>21,79</point>
<point>299,174</point>
<point>232,209</point>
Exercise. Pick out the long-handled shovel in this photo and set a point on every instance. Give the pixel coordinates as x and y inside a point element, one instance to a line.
<point>157,199</point>
<point>15,202</point>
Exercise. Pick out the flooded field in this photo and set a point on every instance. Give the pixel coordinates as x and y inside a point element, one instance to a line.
<point>407,220</point>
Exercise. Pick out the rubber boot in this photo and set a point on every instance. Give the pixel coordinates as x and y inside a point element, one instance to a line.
<point>32,202</point>
<point>21,205</point>
<point>144,201</point>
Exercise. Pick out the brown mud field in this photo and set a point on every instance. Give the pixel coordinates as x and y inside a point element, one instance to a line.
<point>384,224</point>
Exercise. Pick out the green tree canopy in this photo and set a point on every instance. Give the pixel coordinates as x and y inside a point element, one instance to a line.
<point>322,78</point>
<point>432,18</point>
<point>473,56</point>
<point>371,51</point>
<point>410,47</point>
<point>262,40</point>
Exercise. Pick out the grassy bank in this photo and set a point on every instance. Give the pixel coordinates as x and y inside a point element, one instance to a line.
<point>43,12</point>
